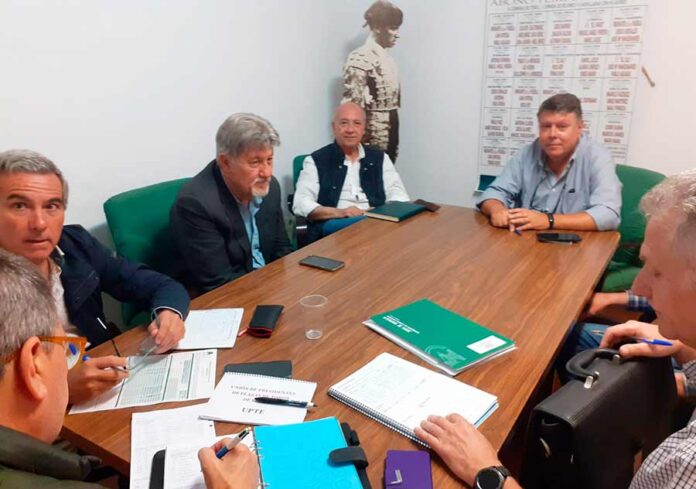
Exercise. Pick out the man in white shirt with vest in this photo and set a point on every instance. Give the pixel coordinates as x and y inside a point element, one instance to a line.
<point>342,180</point>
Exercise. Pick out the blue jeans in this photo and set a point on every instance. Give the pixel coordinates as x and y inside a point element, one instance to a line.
<point>333,225</point>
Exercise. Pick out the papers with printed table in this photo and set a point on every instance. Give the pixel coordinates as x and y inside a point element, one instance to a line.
<point>211,328</point>
<point>182,469</point>
<point>163,378</point>
<point>439,336</point>
<point>400,394</point>
<point>155,430</point>
<point>233,399</point>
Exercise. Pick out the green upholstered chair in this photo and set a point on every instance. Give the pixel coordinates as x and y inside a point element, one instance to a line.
<point>300,235</point>
<point>625,264</point>
<point>139,223</point>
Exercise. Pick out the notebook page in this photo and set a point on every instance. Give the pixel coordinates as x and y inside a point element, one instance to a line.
<point>153,431</point>
<point>211,328</point>
<point>407,393</point>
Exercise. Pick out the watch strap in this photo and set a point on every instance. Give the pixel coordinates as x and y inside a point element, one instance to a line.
<point>482,480</point>
<point>552,221</point>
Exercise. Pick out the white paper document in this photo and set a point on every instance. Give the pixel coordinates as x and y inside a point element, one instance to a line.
<point>401,394</point>
<point>211,328</point>
<point>163,378</point>
<point>182,470</point>
<point>155,430</point>
<point>233,399</point>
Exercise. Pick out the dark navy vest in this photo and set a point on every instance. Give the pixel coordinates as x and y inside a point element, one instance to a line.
<point>332,175</point>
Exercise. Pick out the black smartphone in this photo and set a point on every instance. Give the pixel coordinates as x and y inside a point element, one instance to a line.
<point>323,263</point>
<point>569,238</point>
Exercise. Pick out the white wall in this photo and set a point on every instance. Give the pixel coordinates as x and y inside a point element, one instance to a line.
<point>664,117</point>
<point>124,94</point>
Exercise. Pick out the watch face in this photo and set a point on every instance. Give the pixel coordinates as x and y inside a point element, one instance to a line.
<point>489,479</point>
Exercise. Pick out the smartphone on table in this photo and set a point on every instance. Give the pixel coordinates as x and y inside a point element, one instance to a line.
<point>322,262</point>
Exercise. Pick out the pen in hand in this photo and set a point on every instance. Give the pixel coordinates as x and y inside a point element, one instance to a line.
<point>233,443</point>
<point>113,343</point>
<point>284,402</point>
<point>649,341</point>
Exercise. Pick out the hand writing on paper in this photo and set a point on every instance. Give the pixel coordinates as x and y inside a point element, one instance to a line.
<point>93,377</point>
<point>238,469</point>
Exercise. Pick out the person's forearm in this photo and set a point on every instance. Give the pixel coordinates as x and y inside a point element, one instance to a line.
<point>580,221</point>
<point>488,207</point>
<point>511,483</point>
<point>323,213</point>
<point>685,354</point>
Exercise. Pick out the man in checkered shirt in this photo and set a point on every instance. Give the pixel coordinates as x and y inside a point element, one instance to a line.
<point>668,281</point>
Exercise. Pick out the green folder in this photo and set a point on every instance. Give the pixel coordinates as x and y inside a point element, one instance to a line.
<point>395,211</point>
<point>439,336</point>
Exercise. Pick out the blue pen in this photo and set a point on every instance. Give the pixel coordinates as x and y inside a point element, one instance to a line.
<point>518,232</point>
<point>654,342</point>
<point>87,357</point>
<point>233,443</point>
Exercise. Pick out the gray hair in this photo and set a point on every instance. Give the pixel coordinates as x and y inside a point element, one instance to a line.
<point>28,161</point>
<point>676,195</point>
<point>243,131</point>
<point>26,305</point>
<point>344,104</point>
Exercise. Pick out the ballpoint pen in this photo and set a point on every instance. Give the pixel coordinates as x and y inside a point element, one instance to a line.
<point>233,443</point>
<point>517,232</point>
<point>600,332</point>
<point>113,343</point>
<point>284,402</point>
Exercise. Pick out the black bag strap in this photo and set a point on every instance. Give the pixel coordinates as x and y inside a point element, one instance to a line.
<point>352,454</point>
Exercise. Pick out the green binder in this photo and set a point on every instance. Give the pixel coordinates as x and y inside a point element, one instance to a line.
<point>439,336</point>
<point>395,211</point>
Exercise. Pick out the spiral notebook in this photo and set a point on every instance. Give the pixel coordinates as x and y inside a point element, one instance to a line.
<point>233,399</point>
<point>297,456</point>
<point>400,394</point>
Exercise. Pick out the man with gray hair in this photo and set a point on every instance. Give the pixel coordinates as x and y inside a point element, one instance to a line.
<point>227,221</point>
<point>33,199</point>
<point>35,357</point>
<point>668,281</point>
<point>342,180</point>
<point>562,180</point>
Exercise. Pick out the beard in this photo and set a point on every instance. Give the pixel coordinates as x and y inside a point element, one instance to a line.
<point>260,187</point>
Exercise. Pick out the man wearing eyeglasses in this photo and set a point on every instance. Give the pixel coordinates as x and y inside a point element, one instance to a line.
<point>563,180</point>
<point>33,198</point>
<point>35,357</point>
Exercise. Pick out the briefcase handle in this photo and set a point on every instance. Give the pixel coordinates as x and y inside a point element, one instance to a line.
<point>578,365</point>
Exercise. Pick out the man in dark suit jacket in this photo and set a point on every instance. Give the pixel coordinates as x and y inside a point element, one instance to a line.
<point>227,221</point>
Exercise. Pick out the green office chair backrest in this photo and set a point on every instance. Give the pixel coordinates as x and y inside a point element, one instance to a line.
<point>139,224</point>
<point>636,183</point>
<point>297,168</point>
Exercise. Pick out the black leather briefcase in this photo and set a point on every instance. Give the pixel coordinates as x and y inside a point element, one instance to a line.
<point>589,433</point>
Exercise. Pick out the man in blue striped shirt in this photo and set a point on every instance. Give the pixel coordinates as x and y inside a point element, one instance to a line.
<point>563,180</point>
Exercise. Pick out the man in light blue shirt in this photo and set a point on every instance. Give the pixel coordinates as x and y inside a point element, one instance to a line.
<point>248,212</point>
<point>563,180</point>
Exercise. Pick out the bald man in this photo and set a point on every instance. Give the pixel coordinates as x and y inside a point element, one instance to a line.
<point>340,181</point>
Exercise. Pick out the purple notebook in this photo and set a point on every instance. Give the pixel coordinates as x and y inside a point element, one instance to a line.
<point>407,469</point>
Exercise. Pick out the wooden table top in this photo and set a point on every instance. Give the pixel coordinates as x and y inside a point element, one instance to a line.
<point>528,291</point>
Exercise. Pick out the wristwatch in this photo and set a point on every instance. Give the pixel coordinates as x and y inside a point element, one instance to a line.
<point>551,219</point>
<point>491,477</point>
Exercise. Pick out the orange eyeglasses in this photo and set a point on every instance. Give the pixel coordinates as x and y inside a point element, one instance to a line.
<point>74,347</point>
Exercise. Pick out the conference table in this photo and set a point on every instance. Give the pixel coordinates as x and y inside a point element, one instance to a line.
<point>529,291</point>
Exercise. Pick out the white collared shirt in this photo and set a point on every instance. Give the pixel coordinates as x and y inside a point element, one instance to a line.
<point>352,194</point>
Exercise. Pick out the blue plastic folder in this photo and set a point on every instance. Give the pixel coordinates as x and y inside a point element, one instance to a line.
<point>297,455</point>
